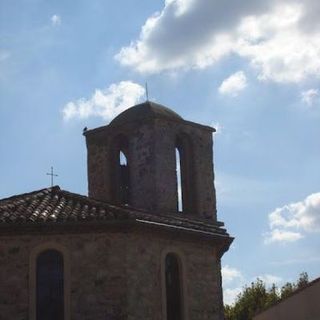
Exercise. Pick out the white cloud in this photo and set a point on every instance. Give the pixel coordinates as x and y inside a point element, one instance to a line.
<point>270,279</point>
<point>283,236</point>
<point>106,103</point>
<point>303,215</point>
<point>277,46</point>
<point>233,84</point>
<point>289,222</point>
<point>230,274</point>
<point>55,20</point>
<point>310,96</point>
<point>279,38</point>
<point>230,295</point>
<point>233,281</point>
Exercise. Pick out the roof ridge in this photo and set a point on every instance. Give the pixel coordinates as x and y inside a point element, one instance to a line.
<point>84,198</point>
<point>49,205</point>
<point>22,195</point>
<point>139,210</point>
<point>87,198</point>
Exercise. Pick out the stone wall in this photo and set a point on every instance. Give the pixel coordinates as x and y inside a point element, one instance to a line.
<point>200,274</point>
<point>166,184</point>
<point>94,290</point>
<point>112,275</point>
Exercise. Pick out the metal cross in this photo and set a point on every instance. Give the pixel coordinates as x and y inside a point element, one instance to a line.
<point>147,93</point>
<point>52,175</point>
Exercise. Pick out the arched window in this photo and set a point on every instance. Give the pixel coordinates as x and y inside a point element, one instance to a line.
<point>179,186</point>
<point>124,186</point>
<point>120,170</point>
<point>173,287</point>
<point>186,193</point>
<point>49,286</point>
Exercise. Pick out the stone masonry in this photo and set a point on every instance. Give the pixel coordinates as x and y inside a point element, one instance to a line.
<point>153,166</point>
<point>113,275</point>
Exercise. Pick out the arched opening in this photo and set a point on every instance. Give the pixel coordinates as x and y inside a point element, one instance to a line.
<point>179,186</point>
<point>123,179</point>
<point>49,286</point>
<point>120,170</point>
<point>186,193</point>
<point>173,288</point>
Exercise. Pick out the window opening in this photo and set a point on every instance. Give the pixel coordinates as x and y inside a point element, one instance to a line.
<point>124,183</point>
<point>186,193</point>
<point>173,288</point>
<point>50,286</point>
<point>179,178</point>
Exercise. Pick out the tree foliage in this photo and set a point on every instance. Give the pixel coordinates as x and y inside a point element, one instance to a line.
<point>257,297</point>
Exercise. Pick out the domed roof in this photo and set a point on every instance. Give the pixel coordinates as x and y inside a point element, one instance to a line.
<point>145,110</point>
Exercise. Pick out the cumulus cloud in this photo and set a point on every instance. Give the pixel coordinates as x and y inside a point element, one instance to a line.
<point>290,222</point>
<point>233,84</point>
<point>229,274</point>
<point>230,295</point>
<point>310,96</point>
<point>283,236</point>
<point>233,281</point>
<point>55,20</point>
<point>280,39</point>
<point>304,215</point>
<point>186,33</point>
<point>106,103</point>
<point>270,279</point>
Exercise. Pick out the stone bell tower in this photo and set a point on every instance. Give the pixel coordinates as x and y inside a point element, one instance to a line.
<point>132,161</point>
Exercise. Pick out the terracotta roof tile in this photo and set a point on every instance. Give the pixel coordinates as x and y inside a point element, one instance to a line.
<point>55,206</point>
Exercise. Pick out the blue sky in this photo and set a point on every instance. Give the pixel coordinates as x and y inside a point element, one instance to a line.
<point>250,69</point>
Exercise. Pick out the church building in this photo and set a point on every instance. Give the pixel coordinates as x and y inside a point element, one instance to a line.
<point>145,244</point>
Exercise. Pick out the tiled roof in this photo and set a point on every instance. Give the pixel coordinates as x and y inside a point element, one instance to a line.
<point>53,206</point>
